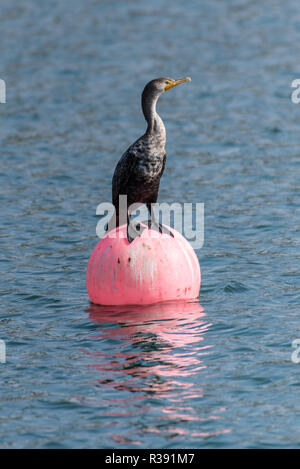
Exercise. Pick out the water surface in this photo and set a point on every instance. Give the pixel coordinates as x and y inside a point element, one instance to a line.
<point>215,373</point>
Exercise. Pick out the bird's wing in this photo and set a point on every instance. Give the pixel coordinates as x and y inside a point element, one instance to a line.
<point>123,171</point>
<point>164,164</point>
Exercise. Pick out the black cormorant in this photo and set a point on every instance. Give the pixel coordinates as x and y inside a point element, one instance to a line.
<point>137,174</point>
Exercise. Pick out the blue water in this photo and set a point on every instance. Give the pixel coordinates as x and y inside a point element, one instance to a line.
<point>215,373</point>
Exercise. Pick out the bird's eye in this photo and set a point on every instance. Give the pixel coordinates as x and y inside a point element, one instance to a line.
<point>167,82</point>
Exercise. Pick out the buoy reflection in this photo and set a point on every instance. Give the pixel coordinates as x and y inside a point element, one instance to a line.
<point>167,338</point>
<point>155,355</point>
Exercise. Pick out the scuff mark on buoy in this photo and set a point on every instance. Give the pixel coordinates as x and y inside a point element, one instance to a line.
<point>148,269</point>
<point>101,268</point>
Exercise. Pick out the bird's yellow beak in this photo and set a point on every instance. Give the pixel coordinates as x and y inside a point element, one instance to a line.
<point>172,83</point>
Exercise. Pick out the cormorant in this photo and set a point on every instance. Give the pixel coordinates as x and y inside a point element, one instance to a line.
<point>138,172</point>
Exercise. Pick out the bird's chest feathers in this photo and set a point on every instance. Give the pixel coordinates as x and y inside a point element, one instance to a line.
<point>150,164</point>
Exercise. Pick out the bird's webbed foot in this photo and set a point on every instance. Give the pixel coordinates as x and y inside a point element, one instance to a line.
<point>154,225</point>
<point>134,230</point>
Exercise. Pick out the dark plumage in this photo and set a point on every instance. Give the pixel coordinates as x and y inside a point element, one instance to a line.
<point>137,174</point>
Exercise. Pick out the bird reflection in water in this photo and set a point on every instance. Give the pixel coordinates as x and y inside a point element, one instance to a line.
<point>151,360</point>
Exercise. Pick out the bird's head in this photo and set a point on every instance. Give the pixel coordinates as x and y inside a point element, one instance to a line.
<point>157,86</point>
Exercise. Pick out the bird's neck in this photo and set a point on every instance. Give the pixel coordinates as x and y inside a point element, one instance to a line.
<point>155,124</point>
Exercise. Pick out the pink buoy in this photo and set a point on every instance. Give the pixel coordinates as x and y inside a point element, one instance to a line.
<point>153,268</point>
